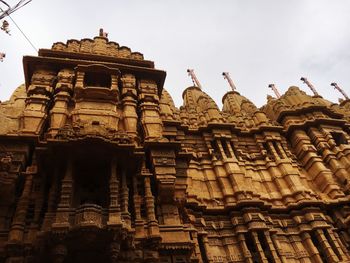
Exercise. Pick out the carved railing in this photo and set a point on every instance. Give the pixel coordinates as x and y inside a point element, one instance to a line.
<point>88,215</point>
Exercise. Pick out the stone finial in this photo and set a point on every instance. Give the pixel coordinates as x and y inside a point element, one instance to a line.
<point>228,78</point>
<point>194,78</point>
<point>2,56</point>
<point>335,85</point>
<point>103,33</point>
<point>273,87</point>
<point>5,27</point>
<point>308,83</point>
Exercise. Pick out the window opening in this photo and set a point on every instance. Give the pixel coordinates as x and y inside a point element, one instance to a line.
<point>265,246</point>
<point>202,249</point>
<point>278,150</point>
<point>225,148</point>
<point>331,243</point>
<point>216,151</point>
<point>252,248</point>
<point>339,138</point>
<point>97,79</point>
<point>318,247</point>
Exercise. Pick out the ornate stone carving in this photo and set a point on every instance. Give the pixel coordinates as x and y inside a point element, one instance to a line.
<point>98,164</point>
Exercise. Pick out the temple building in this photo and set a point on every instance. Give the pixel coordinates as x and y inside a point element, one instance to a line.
<point>98,165</point>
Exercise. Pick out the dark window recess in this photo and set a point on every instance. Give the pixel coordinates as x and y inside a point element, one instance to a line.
<point>100,79</point>
<point>278,150</point>
<point>91,187</point>
<point>339,138</point>
<point>331,243</point>
<point>30,213</point>
<point>234,149</point>
<point>226,150</point>
<point>268,151</point>
<point>202,249</point>
<point>265,246</point>
<point>252,248</point>
<point>318,247</point>
<point>216,151</point>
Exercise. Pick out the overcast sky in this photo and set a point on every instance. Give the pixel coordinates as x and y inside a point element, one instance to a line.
<point>258,41</point>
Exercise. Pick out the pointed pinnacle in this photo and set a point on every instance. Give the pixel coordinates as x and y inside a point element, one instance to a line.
<point>335,85</point>
<point>230,82</point>
<point>273,87</point>
<point>195,81</point>
<point>308,83</point>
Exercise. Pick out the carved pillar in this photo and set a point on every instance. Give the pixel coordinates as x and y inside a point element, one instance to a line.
<point>328,156</point>
<point>164,166</point>
<point>114,207</point>
<point>331,256</point>
<point>38,195</point>
<point>63,91</point>
<point>153,228</point>
<point>244,248</point>
<point>59,253</point>
<point>272,149</point>
<point>149,108</point>
<point>114,251</point>
<point>38,96</point>
<point>207,248</point>
<point>318,172</point>
<point>129,100</point>
<point>17,228</point>
<point>125,201</point>
<point>15,246</point>
<point>259,247</point>
<point>310,247</point>
<point>280,251</point>
<point>63,209</point>
<point>51,203</point>
<point>272,248</point>
<point>139,223</point>
<point>344,254</point>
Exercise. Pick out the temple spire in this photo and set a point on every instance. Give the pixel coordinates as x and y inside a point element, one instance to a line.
<point>308,83</point>
<point>335,85</point>
<point>228,78</point>
<point>194,78</point>
<point>273,87</point>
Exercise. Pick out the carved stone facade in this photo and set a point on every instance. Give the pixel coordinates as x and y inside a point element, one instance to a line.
<point>98,165</point>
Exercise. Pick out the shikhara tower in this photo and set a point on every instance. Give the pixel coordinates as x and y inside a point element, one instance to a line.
<point>98,165</point>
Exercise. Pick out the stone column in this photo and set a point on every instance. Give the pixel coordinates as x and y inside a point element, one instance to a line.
<point>38,96</point>
<point>59,253</point>
<point>139,223</point>
<point>319,173</point>
<point>51,201</point>
<point>310,247</point>
<point>259,247</point>
<point>331,256</point>
<point>278,248</point>
<point>59,111</point>
<point>343,251</point>
<point>125,201</point>
<point>15,244</point>
<point>114,251</point>
<point>244,248</point>
<point>63,209</point>
<point>272,248</point>
<point>149,108</point>
<point>129,101</point>
<point>16,233</point>
<point>329,157</point>
<point>153,227</point>
<point>114,206</point>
